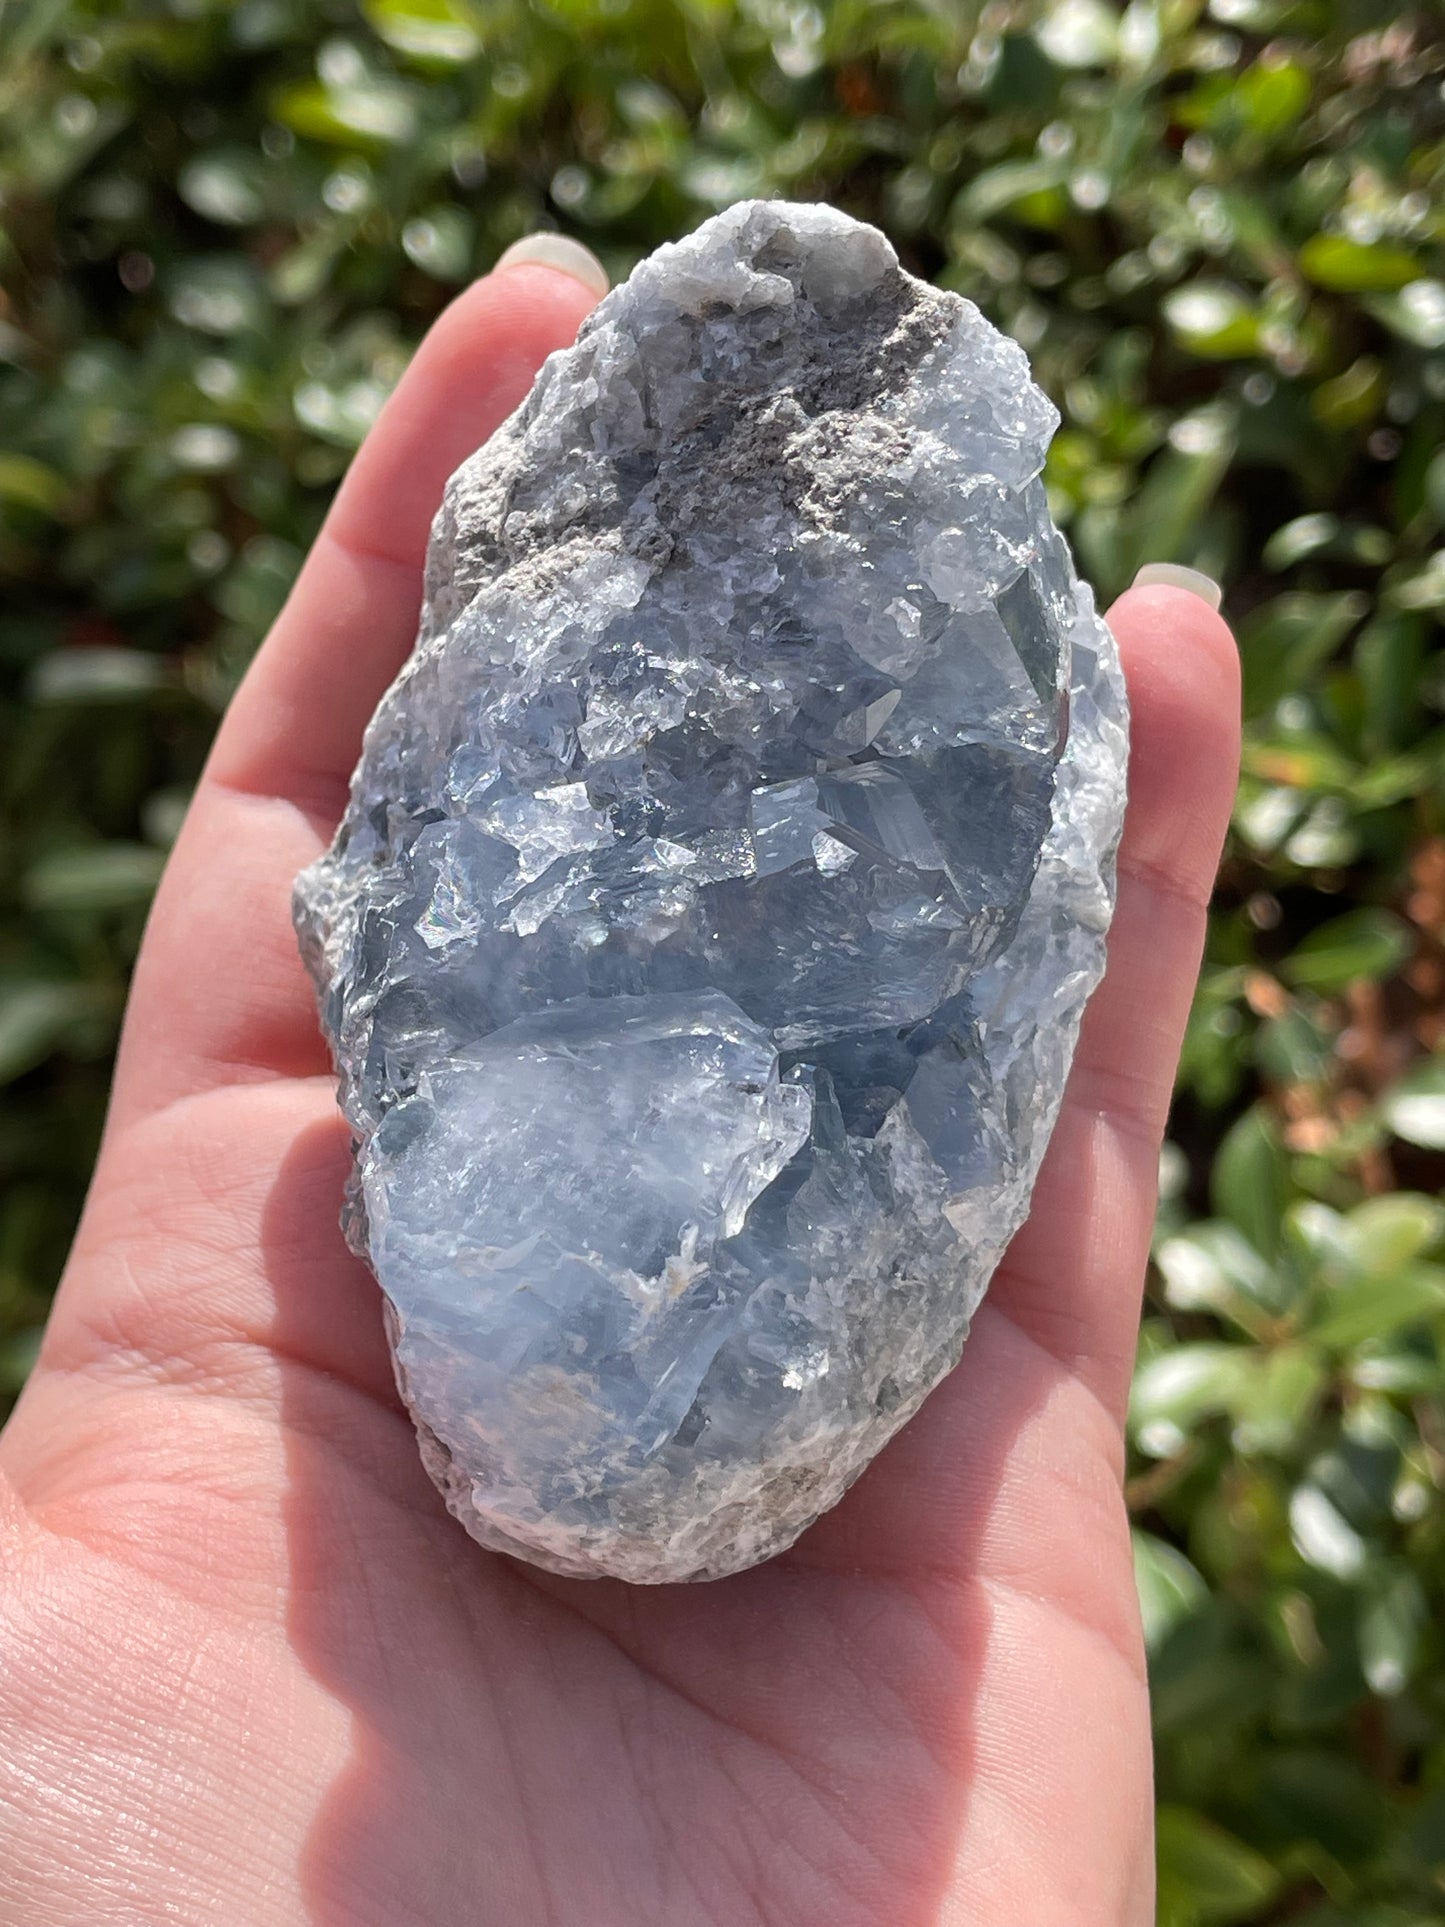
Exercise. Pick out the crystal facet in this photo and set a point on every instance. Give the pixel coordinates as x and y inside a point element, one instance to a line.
<point>725,873</point>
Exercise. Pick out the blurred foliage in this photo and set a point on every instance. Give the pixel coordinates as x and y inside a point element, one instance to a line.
<point>1218,230</point>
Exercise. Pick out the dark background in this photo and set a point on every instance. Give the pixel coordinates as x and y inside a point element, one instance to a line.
<point>1219,233</point>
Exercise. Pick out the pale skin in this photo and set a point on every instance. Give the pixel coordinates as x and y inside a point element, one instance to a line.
<point>250,1671</point>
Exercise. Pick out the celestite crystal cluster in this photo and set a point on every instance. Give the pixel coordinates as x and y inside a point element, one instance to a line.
<point>725,873</point>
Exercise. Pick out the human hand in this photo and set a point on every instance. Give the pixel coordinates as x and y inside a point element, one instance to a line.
<point>251,1672</point>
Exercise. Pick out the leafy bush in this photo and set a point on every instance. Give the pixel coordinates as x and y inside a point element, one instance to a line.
<point>1219,233</point>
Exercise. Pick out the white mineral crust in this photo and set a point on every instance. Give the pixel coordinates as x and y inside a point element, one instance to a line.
<point>705,944</point>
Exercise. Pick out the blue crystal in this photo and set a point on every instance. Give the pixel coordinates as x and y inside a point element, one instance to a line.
<point>724,876</point>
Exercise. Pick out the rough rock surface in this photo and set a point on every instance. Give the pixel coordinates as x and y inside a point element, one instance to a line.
<point>704,946</point>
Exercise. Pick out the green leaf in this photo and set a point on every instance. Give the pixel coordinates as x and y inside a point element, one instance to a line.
<point>1206,1267</point>
<point>1294,1048</point>
<point>1418,587</point>
<point>1306,535</point>
<point>1390,659</point>
<point>226,185</point>
<point>301,273</point>
<point>339,415</point>
<point>1322,1239</point>
<point>1415,1108</point>
<point>1079,33</point>
<point>216,295</point>
<point>1162,523</point>
<point>1323,1536</point>
<point>98,675</point>
<point>434,33</point>
<point>1272,95</point>
<point>1207,1877</point>
<point>1276,1397</point>
<point>95,877</point>
<point>1284,643</point>
<point>1170,1588</point>
<point>1356,267</point>
<point>440,241</point>
<point>1214,320</point>
<point>1385,1233</point>
<point>1393,1616</point>
<point>1416,313</point>
<point>1213,1267</point>
<point>164,812</point>
<point>26,483</point>
<point>367,114</point>
<point>1250,1180</point>
<point>1203,1681</point>
<point>1034,188</point>
<point>1172,1393</point>
<point>1361,946</point>
<point>36,1018</point>
<point>1352,399</point>
<point>1372,1308</point>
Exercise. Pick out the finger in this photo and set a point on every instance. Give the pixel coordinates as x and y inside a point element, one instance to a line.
<point>1072,1278</point>
<point>219,992</point>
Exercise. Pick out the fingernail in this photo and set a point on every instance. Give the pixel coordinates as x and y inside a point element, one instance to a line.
<point>545,250</point>
<point>1173,575</point>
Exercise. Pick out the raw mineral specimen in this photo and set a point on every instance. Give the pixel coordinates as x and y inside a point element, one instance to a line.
<point>725,873</point>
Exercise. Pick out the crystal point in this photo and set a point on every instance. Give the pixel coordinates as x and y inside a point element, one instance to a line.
<point>706,940</point>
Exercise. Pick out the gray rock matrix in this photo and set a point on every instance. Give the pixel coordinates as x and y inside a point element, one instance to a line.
<point>725,873</point>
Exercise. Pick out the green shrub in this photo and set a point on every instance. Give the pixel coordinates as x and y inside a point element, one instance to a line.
<point>1219,233</point>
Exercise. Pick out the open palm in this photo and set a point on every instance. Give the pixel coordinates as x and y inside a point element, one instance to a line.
<point>251,1672</point>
